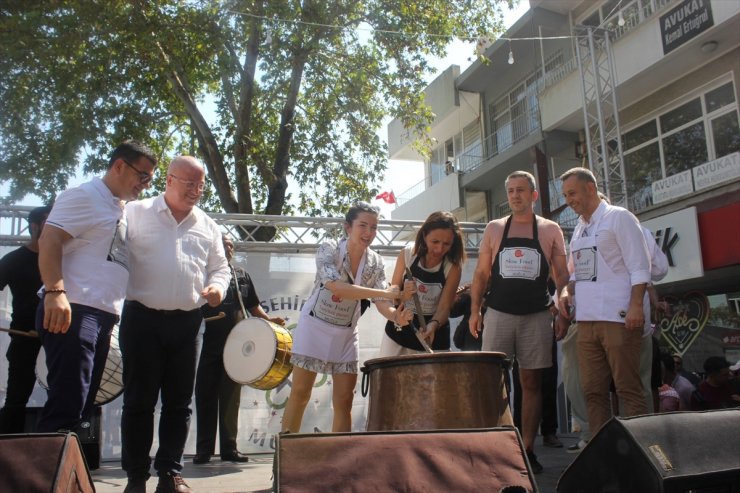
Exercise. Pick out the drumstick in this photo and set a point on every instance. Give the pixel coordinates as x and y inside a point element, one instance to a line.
<point>30,333</point>
<point>215,317</point>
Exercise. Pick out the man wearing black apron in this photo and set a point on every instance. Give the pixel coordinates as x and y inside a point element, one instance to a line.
<point>518,254</point>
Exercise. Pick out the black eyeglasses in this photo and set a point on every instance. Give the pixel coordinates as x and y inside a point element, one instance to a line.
<point>144,177</point>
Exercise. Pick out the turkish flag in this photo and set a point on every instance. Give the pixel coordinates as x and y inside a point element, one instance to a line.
<point>387,197</point>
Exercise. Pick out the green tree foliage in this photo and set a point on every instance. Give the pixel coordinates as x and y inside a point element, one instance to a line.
<point>299,89</point>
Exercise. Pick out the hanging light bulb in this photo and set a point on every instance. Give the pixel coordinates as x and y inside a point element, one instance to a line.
<point>511,57</point>
<point>620,19</point>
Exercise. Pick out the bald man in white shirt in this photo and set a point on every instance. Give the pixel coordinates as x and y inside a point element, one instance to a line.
<point>610,270</point>
<point>177,264</point>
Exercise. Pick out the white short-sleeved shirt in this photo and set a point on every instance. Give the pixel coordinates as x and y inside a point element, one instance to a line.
<point>95,261</point>
<point>172,263</point>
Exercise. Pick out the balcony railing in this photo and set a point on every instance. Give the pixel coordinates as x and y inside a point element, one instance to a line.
<point>499,141</point>
<point>410,192</point>
<point>633,17</point>
<point>496,143</point>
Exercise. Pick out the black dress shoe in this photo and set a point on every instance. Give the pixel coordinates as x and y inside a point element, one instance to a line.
<point>201,458</point>
<point>235,456</point>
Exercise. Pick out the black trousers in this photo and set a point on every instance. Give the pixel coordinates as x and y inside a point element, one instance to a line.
<point>75,361</point>
<point>216,396</point>
<point>22,354</point>
<point>158,349</point>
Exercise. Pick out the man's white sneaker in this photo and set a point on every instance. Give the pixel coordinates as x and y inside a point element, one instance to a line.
<point>577,447</point>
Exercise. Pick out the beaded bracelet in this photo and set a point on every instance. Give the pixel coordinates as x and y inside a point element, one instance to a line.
<point>61,290</point>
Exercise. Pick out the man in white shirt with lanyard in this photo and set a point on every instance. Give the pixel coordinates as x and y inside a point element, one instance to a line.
<point>610,271</point>
<point>518,254</point>
<point>83,260</point>
<point>177,265</point>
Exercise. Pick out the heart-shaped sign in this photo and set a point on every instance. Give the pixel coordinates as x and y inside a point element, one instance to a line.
<point>689,315</point>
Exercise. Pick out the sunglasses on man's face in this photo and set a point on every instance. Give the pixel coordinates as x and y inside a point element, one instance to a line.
<point>144,177</point>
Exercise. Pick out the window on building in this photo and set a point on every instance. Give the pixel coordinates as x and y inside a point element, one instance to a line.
<point>734,304</point>
<point>633,12</point>
<point>690,133</point>
<point>515,115</point>
<point>503,209</point>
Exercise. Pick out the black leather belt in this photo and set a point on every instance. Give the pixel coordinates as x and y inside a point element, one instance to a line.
<point>166,313</point>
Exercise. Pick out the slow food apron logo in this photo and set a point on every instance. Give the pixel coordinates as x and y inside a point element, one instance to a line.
<point>689,315</point>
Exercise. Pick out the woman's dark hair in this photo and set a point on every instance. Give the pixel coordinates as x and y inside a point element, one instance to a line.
<point>441,220</point>
<point>357,208</point>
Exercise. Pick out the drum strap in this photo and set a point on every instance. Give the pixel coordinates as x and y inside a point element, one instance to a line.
<point>238,294</point>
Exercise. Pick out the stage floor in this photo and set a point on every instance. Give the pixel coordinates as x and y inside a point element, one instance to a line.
<point>255,476</point>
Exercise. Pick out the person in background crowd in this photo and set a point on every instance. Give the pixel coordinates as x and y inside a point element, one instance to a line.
<point>177,265</point>
<point>19,269</point>
<point>462,339</point>
<point>518,254</point>
<point>683,387</point>
<point>84,265</point>
<point>216,395</point>
<point>435,261</point>
<point>326,337</point>
<point>715,392</point>
<point>680,370</point>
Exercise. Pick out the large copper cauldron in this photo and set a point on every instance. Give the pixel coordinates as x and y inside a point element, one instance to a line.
<point>437,391</point>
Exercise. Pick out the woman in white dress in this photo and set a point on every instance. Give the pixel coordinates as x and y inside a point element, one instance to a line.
<point>326,337</point>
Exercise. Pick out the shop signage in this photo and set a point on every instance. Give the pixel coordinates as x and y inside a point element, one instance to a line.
<point>684,22</point>
<point>718,171</point>
<point>677,235</point>
<point>731,339</point>
<point>672,187</point>
<point>689,315</point>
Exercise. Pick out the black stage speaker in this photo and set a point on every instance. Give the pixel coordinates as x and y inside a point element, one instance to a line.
<point>662,453</point>
<point>469,460</point>
<point>88,433</point>
<point>48,463</point>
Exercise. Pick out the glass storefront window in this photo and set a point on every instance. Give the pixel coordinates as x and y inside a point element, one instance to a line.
<point>717,98</point>
<point>685,149</point>
<point>681,115</point>
<point>642,168</point>
<point>640,135</point>
<point>726,132</point>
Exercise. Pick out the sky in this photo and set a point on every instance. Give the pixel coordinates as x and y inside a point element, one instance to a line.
<point>400,175</point>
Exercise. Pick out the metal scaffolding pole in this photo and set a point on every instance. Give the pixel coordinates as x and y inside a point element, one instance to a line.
<point>600,111</point>
<point>292,234</point>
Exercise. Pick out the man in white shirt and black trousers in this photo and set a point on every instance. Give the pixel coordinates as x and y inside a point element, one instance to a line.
<point>177,265</point>
<point>610,269</point>
<point>83,260</point>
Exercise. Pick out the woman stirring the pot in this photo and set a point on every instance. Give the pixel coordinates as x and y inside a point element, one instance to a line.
<point>435,261</point>
<point>326,337</point>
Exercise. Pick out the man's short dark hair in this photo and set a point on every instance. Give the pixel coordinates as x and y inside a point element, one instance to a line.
<point>523,174</point>
<point>131,150</point>
<point>583,174</point>
<point>715,364</point>
<point>38,215</point>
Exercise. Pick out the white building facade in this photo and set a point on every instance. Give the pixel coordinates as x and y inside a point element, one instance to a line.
<point>676,66</point>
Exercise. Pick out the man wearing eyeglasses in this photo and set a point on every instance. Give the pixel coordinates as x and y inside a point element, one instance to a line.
<point>84,266</point>
<point>177,265</point>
